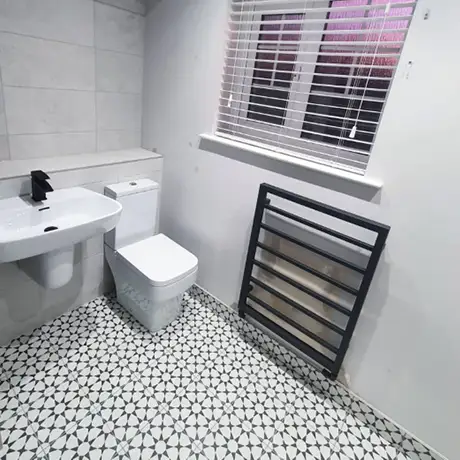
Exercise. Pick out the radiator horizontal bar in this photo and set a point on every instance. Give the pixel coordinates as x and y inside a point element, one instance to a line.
<point>308,269</point>
<point>314,249</point>
<point>321,228</point>
<point>295,325</point>
<point>326,209</point>
<point>312,293</point>
<point>298,307</point>
<point>290,338</point>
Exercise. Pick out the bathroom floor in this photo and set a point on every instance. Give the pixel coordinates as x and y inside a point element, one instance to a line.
<point>95,384</point>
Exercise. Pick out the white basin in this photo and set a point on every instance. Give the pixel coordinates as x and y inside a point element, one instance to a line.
<point>77,214</point>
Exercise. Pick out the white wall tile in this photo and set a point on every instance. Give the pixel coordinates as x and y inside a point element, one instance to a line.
<point>152,175</point>
<point>99,187</point>
<point>14,187</point>
<point>41,63</point>
<point>117,140</point>
<point>136,6</point>
<point>69,21</point>
<point>26,305</point>
<point>79,177</point>
<point>92,247</point>
<point>119,30</point>
<point>24,146</point>
<point>19,309</point>
<point>4,150</point>
<point>135,169</point>
<point>119,112</point>
<point>10,274</point>
<point>32,111</point>
<point>118,72</point>
<point>2,113</point>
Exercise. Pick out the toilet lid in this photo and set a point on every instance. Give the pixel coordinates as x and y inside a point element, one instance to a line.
<point>159,259</point>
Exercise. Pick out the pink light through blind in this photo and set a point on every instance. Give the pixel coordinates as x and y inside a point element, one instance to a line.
<point>368,26</point>
<point>380,28</point>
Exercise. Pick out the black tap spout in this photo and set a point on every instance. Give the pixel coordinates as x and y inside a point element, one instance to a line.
<point>40,186</point>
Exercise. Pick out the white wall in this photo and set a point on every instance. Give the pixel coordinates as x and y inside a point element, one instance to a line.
<point>404,355</point>
<point>70,76</point>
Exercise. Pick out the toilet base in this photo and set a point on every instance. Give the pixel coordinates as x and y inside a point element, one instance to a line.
<point>154,316</point>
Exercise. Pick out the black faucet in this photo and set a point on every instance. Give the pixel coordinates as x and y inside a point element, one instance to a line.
<point>39,185</point>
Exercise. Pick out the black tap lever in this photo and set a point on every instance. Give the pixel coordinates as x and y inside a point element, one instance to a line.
<point>40,186</point>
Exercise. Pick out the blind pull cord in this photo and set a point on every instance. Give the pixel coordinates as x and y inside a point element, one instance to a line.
<point>353,132</point>
<point>385,16</point>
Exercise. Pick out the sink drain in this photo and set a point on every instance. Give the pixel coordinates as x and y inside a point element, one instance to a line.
<point>50,229</point>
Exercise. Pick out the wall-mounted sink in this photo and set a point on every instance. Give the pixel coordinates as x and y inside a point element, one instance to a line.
<point>49,228</point>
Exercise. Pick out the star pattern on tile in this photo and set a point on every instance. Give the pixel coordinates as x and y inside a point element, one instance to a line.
<point>95,384</point>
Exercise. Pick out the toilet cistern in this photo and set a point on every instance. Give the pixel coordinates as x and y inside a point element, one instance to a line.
<point>151,271</point>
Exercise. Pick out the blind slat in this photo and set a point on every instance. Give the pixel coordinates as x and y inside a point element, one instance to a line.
<point>350,44</point>
<point>338,9</point>
<point>230,86</point>
<point>238,100</point>
<point>332,136</point>
<point>346,20</point>
<point>281,134</point>
<point>316,114</point>
<point>274,81</point>
<point>359,130</point>
<point>261,142</point>
<point>326,64</point>
<point>385,27</point>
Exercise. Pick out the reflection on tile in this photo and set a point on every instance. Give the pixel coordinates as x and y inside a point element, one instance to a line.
<point>117,139</point>
<point>136,6</point>
<point>24,146</point>
<point>28,61</point>
<point>118,72</point>
<point>118,30</point>
<point>35,111</point>
<point>119,111</point>
<point>69,21</point>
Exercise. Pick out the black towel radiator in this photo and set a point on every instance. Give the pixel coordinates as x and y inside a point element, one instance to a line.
<point>330,366</point>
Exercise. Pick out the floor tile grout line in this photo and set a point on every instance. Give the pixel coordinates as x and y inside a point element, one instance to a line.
<point>315,387</point>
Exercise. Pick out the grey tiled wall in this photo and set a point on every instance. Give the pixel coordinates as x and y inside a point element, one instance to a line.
<point>71,76</point>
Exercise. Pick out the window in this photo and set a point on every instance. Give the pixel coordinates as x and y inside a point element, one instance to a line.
<point>310,78</point>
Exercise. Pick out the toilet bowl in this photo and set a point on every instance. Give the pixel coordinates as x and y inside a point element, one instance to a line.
<point>151,271</point>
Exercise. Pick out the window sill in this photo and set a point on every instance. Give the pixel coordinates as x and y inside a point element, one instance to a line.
<point>324,176</point>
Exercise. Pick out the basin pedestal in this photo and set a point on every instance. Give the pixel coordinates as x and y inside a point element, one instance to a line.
<point>51,270</point>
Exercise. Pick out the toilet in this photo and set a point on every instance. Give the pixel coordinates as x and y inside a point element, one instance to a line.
<point>151,271</point>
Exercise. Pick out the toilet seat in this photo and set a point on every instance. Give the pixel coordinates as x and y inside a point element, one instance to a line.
<point>159,260</point>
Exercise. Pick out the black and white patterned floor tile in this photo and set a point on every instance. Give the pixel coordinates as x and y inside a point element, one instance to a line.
<point>259,410</point>
<point>95,384</point>
<point>358,440</point>
<point>196,410</point>
<point>54,411</point>
<point>18,438</point>
<point>129,410</point>
<point>93,438</point>
<point>163,437</point>
<point>411,449</point>
<point>233,439</point>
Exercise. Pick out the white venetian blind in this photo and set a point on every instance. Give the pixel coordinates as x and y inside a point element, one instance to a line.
<point>311,78</point>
